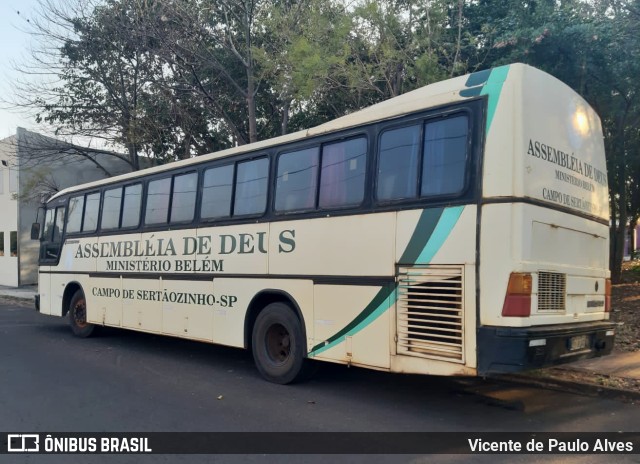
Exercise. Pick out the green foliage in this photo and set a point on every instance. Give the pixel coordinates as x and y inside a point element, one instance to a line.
<point>180,78</point>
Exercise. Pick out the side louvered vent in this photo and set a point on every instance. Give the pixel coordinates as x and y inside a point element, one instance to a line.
<point>430,312</point>
<point>552,288</point>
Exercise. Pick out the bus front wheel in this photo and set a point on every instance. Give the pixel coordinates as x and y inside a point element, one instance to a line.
<point>278,344</point>
<point>78,316</point>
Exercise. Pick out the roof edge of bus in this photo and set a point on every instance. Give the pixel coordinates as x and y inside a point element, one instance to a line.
<point>391,108</point>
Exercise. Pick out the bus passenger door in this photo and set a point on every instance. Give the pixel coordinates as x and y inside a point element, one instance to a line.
<point>50,301</point>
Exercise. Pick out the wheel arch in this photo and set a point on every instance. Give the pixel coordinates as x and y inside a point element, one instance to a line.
<point>261,300</point>
<point>71,288</point>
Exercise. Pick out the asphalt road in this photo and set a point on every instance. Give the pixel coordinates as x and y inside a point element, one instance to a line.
<point>122,381</point>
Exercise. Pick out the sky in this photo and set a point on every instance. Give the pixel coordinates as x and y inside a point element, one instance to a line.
<point>14,45</point>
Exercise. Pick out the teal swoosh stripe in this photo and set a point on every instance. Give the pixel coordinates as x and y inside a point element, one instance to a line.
<point>433,228</point>
<point>379,305</point>
<point>426,225</point>
<point>487,82</point>
<point>492,88</point>
<point>440,233</point>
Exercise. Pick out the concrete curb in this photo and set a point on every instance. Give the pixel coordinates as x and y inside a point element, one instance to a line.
<point>568,386</point>
<point>18,296</point>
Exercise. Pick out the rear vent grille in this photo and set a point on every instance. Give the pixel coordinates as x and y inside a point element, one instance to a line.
<point>552,288</point>
<point>430,312</point>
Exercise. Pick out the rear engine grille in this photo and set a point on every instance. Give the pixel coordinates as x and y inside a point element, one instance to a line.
<point>552,289</point>
<point>430,312</point>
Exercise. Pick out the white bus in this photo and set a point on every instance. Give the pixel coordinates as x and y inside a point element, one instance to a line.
<point>459,229</point>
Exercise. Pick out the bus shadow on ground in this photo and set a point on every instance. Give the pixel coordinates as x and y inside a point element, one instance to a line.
<point>238,363</point>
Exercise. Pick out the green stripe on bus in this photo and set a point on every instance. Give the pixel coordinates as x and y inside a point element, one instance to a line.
<point>425,227</point>
<point>440,233</point>
<point>433,228</point>
<point>378,306</point>
<point>492,88</point>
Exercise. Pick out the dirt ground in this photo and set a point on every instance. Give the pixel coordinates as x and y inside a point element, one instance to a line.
<point>625,301</point>
<point>625,304</point>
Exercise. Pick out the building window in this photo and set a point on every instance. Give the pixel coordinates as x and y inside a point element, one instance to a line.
<point>13,243</point>
<point>1,243</point>
<point>13,180</point>
<point>217,187</point>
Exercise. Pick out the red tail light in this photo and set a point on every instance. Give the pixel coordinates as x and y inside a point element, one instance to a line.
<point>607,296</point>
<point>517,302</point>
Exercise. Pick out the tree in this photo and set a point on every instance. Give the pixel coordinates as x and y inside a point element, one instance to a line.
<point>593,47</point>
<point>104,81</point>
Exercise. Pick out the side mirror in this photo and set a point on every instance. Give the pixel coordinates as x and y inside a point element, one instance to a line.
<point>35,231</point>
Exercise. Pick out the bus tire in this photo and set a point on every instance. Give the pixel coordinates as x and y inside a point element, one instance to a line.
<point>278,345</point>
<point>78,316</point>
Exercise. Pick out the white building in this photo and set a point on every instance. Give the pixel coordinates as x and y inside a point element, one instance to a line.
<point>32,167</point>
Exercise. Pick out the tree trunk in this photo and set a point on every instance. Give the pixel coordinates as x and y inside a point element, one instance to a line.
<point>133,156</point>
<point>284,125</point>
<point>251,91</point>
<point>251,105</point>
<point>618,194</point>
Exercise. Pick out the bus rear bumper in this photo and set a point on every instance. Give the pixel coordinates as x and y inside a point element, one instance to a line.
<point>514,349</point>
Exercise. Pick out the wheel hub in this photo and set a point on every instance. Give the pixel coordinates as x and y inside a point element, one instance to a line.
<point>80,313</point>
<point>278,343</point>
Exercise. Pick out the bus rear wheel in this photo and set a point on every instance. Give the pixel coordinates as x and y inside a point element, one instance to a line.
<point>278,344</point>
<point>78,316</point>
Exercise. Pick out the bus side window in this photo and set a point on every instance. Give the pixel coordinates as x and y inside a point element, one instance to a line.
<point>48,225</point>
<point>398,164</point>
<point>251,187</point>
<point>131,208</point>
<point>74,219</point>
<point>52,238</point>
<point>445,156</point>
<point>59,225</point>
<point>91,210</point>
<point>111,209</point>
<point>296,180</point>
<point>343,173</point>
<point>183,205</point>
<point>158,201</point>
<point>217,187</point>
